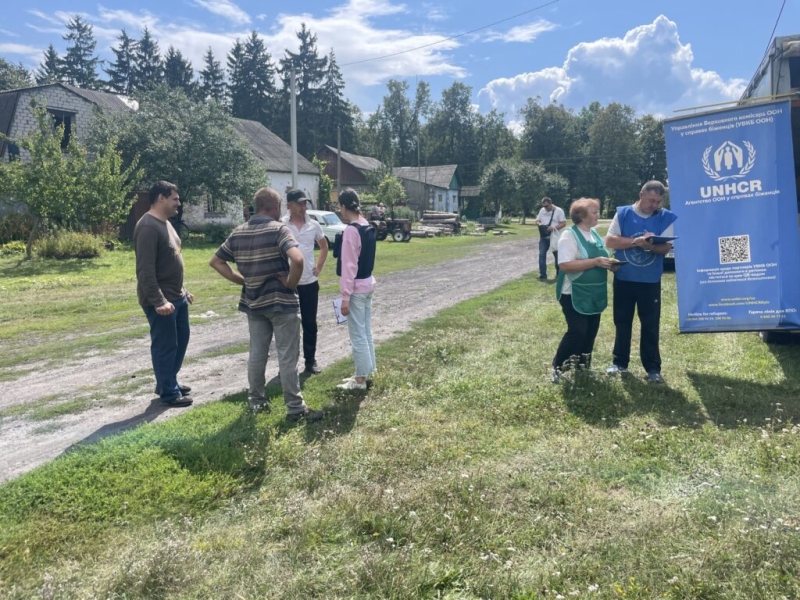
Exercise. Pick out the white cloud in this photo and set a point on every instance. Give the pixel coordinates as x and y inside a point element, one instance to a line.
<point>225,8</point>
<point>30,52</point>
<point>352,35</point>
<point>434,12</point>
<point>648,69</point>
<point>9,33</point>
<point>523,33</point>
<point>348,28</point>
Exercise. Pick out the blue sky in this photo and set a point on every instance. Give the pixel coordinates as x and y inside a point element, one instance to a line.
<point>654,55</point>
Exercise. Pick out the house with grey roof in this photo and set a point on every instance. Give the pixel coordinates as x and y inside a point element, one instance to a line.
<point>430,187</point>
<point>355,168</point>
<point>70,106</point>
<point>277,157</point>
<point>75,109</point>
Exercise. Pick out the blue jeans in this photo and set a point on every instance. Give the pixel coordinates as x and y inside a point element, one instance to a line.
<point>169,338</point>
<point>544,246</point>
<point>359,325</point>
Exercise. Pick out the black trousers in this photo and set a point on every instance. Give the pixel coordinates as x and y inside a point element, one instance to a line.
<point>309,301</point>
<point>644,299</point>
<point>579,339</point>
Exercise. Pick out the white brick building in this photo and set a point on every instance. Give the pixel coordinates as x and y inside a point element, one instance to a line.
<point>69,105</point>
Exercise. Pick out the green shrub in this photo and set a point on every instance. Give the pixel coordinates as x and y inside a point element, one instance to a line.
<point>402,212</point>
<point>217,234</point>
<point>15,226</point>
<point>70,244</point>
<point>12,248</point>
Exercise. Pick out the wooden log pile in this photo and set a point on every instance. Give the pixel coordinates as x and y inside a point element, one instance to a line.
<point>442,222</point>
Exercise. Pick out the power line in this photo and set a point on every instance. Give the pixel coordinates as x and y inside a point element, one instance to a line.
<point>771,35</point>
<point>358,62</point>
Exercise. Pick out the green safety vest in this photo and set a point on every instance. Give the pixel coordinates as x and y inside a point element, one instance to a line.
<point>590,287</point>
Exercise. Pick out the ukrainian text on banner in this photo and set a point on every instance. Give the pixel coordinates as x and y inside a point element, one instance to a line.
<point>731,180</point>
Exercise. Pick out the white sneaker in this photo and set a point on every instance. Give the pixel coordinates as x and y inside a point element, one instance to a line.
<point>352,384</point>
<point>616,370</point>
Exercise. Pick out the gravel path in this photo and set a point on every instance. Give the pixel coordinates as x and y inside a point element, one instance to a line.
<point>119,384</point>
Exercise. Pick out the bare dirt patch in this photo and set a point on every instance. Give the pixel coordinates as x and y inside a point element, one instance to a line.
<point>120,383</point>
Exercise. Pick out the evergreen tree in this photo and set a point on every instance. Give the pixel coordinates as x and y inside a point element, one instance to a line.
<point>80,64</point>
<point>178,72</point>
<point>149,69</point>
<point>252,81</point>
<point>309,70</point>
<point>51,68</point>
<point>397,110</point>
<point>12,76</point>
<point>212,79</point>
<point>338,112</point>
<point>121,71</point>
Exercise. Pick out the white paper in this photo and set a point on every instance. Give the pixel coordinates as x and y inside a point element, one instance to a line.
<point>337,311</point>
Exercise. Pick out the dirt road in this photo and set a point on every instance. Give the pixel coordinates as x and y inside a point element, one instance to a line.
<point>118,386</point>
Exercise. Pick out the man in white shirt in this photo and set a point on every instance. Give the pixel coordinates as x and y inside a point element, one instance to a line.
<point>307,231</point>
<point>551,220</point>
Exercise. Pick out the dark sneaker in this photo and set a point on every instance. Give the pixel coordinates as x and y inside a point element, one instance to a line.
<point>655,378</point>
<point>308,415</point>
<point>185,390</point>
<point>312,369</point>
<point>177,401</point>
<point>555,376</point>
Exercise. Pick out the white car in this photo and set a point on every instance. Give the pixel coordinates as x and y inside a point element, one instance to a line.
<point>330,222</point>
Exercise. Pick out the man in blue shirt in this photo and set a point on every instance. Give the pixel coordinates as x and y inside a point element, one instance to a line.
<point>637,285</point>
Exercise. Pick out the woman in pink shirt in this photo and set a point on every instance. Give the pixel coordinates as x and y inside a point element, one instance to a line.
<point>355,263</point>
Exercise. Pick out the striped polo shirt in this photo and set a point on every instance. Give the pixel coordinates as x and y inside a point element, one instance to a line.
<point>259,249</point>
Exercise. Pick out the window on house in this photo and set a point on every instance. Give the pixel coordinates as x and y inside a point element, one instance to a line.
<point>13,151</point>
<point>67,120</point>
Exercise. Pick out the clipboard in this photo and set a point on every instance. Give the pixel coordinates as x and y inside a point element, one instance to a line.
<point>662,239</point>
<point>337,312</point>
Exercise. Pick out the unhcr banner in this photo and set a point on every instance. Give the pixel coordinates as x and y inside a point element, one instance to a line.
<point>732,185</point>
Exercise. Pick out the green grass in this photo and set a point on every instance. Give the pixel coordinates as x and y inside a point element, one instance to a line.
<point>92,304</point>
<point>463,474</point>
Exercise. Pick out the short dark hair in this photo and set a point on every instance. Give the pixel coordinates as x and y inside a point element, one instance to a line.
<point>161,188</point>
<point>546,199</point>
<point>349,199</point>
<point>654,186</point>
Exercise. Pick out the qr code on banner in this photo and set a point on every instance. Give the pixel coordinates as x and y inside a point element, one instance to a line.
<point>734,249</point>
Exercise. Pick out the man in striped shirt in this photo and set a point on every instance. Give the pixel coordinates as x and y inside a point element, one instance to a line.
<point>261,249</point>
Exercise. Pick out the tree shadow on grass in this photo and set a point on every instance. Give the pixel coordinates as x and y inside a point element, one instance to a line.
<point>599,401</point>
<point>736,402</point>
<point>70,266</point>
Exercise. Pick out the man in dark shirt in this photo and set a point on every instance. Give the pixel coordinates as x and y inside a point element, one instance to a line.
<point>261,249</point>
<point>159,287</point>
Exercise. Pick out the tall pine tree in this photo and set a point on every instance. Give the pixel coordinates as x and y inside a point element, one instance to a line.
<point>80,63</point>
<point>212,79</point>
<point>338,111</point>
<point>121,71</point>
<point>252,81</point>
<point>51,68</point>
<point>309,71</point>
<point>178,72</point>
<point>149,70</point>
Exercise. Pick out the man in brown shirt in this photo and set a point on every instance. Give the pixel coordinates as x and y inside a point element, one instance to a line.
<point>159,286</point>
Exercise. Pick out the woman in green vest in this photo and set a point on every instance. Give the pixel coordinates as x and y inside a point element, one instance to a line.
<point>581,285</point>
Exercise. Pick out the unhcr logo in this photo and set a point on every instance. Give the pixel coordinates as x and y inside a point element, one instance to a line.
<point>725,163</point>
<point>727,159</point>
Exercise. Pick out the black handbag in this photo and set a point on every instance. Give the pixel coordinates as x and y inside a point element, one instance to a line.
<point>543,232</point>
